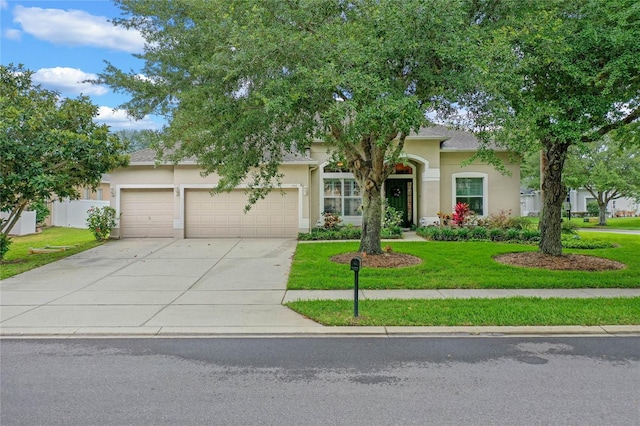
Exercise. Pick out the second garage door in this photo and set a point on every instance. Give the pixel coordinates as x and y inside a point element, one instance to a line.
<point>222,215</point>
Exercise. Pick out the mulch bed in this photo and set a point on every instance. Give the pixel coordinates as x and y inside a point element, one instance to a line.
<point>386,260</point>
<point>567,262</point>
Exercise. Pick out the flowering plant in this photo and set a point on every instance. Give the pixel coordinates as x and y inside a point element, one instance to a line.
<point>101,221</point>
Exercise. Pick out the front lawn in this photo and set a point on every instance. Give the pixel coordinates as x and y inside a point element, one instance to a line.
<point>461,265</point>
<point>18,259</point>
<point>632,223</point>
<point>517,311</point>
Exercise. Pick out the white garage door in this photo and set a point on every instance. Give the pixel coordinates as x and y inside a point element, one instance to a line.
<point>222,215</point>
<point>146,213</point>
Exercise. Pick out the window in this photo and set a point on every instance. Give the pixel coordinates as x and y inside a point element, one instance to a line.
<point>471,189</point>
<point>342,196</point>
<point>99,196</point>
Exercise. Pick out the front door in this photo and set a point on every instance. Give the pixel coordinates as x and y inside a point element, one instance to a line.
<point>399,195</point>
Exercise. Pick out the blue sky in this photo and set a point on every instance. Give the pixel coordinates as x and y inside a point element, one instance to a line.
<point>66,42</point>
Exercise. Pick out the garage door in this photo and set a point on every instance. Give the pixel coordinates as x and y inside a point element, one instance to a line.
<point>222,215</point>
<point>146,213</point>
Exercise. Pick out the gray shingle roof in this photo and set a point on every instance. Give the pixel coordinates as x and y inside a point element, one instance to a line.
<point>450,138</point>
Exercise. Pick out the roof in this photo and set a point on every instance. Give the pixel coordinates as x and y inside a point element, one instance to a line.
<point>451,138</point>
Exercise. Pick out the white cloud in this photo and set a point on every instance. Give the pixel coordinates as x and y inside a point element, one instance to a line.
<point>76,28</point>
<point>68,80</point>
<point>4,4</point>
<point>118,119</point>
<point>13,34</point>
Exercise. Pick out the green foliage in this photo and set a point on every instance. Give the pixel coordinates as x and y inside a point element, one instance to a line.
<point>593,209</point>
<point>391,221</point>
<point>267,78</point>
<point>50,146</point>
<point>575,242</point>
<point>101,221</point>
<point>41,209</point>
<point>569,227</point>
<point>566,69</point>
<point>5,242</point>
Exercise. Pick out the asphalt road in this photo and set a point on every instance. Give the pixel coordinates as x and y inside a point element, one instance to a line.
<point>328,381</point>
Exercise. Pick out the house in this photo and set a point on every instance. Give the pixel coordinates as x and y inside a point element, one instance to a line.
<point>174,200</point>
<point>531,203</point>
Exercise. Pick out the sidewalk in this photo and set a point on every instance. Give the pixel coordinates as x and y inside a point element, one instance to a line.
<point>211,288</point>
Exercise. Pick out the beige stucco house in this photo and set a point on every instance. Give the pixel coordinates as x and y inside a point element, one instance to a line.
<point>168,200</point>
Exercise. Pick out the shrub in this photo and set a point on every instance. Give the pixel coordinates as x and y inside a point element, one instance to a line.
<point>479,233</point>
<point>5,242</point>
<point>513,234</point>
<point>569,227</point>
<point>575,242</point>
<point>42,212</point>
<point>530,235</point>
<point>497,234</point>
<point>101,221</point>
<point>593,209</point>
<point>463,233</point>
<point>331,220</point>
<point>461,213</point>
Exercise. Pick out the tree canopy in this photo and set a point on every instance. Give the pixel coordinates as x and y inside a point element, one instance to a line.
<point>245,81</point>
<point>556,74</point>
<point>49,146</point>
<point>609,169</point>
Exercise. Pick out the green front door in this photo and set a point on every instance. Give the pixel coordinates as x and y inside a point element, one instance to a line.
<point>399,195</point>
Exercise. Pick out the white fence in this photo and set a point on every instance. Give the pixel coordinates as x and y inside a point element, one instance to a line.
<point>26,224</point>
<point>73,214</point>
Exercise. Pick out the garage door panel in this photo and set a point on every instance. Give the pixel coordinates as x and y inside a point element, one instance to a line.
<point>146,213</point>
<point>222,215</point>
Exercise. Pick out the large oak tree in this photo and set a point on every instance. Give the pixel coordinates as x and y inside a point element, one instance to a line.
<point>49,146</point>
<point>560,73</point>
<point>242,82</point>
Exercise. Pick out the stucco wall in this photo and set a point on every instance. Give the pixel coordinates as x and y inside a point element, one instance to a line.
<point>504,190</point>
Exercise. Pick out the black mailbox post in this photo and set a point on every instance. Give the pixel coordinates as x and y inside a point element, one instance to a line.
<point>356,263</point>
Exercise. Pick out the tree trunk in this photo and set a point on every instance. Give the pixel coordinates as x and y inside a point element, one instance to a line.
<point>371,221</point>
<point>602,213</point>
<point>13,218</point>
<point>554,193</point>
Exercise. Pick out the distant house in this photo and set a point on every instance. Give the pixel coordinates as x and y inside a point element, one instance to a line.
<point>168,200</point>
<point>531,203</point>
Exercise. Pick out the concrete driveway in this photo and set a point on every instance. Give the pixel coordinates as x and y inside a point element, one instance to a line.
<point>156,287</point>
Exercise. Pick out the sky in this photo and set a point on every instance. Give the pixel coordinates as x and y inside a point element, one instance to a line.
<point>67,41</point>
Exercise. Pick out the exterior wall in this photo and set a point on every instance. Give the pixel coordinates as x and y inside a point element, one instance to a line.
<point>101,193</point>
<point>503,190</point>
<point>182,177</point>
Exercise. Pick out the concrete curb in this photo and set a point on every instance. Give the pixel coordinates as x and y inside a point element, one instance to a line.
<point>247,332</point>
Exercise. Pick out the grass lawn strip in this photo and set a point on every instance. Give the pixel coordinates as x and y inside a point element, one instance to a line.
<point>516,311</point>
<point>19,259</point>
<point>448,265</point>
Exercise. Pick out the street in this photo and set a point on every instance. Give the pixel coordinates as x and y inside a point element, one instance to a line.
<point>328,381</point>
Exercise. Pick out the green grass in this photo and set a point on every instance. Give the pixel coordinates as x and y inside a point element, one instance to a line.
<point>632,223</point>
<point>462,265</point>
<point>18,259</point>
<point>517,311</point>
